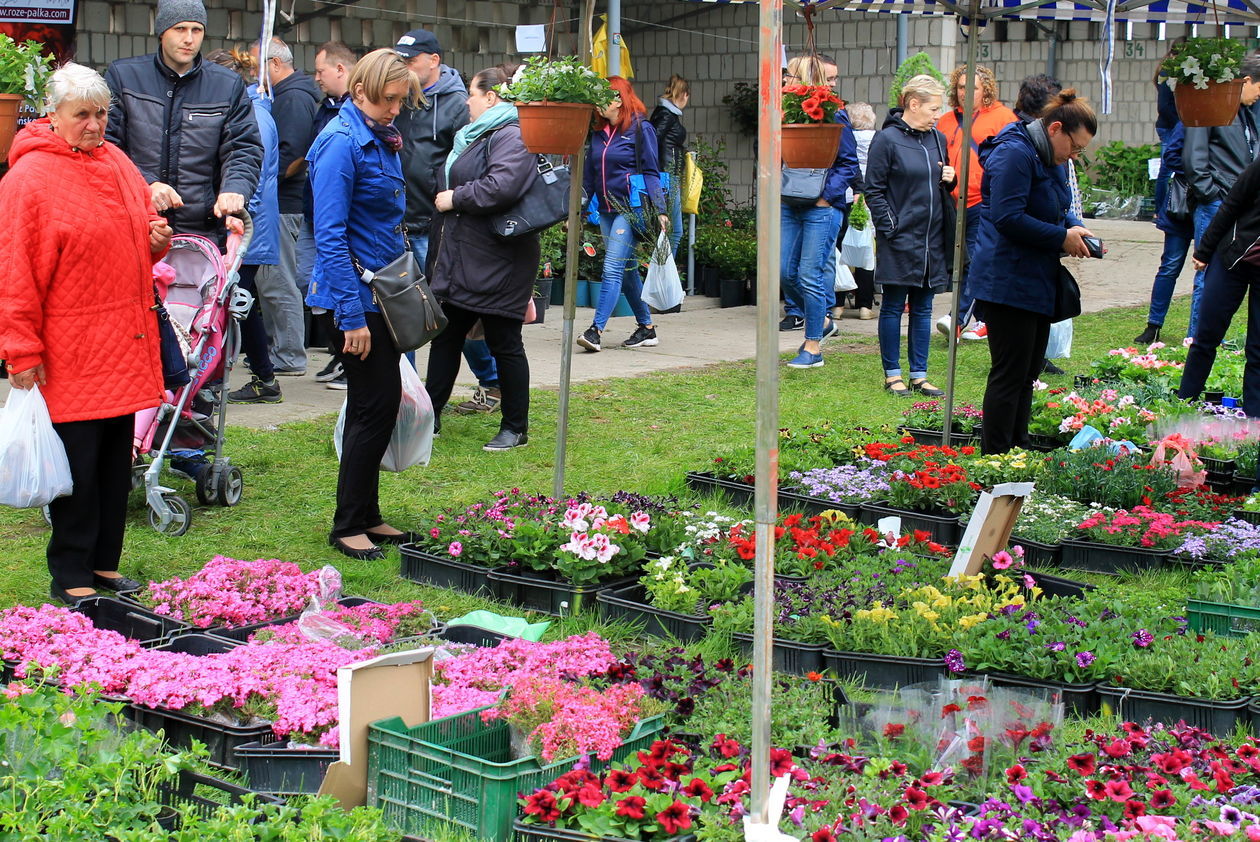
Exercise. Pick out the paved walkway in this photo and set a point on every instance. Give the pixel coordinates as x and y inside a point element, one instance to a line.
<point>703,333</point>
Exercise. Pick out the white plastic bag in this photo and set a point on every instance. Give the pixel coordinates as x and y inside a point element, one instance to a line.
<point>857,249</point>
<point>662,289</point>
<point>412,441</point>
<point>1060,345</point>
<point>845,281</point>
<point>34,469</point>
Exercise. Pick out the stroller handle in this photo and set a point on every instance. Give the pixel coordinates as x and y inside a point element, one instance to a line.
<point>238,244</point>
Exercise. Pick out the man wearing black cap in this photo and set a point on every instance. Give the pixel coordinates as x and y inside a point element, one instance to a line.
<point>186,124</point>
<point>428,135</point>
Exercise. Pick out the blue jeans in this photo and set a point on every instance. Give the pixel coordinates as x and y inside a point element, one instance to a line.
<point>918,333</point>
<point>965,301</point>
<point>476,351</point>
<point>675,221</point>
<point>807,247</point>
<point>1176,246</point>
<point>1202,219</point>
<point>1227,288</point>
<point>621,269</point>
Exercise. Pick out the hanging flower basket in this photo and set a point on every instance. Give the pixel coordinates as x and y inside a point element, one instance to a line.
<point>1215,105</point>
<point>811,145</point>
<point>554,128</point>
<point>9,104</point>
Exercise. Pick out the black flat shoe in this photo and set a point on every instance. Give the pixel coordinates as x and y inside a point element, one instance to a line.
<point>61,596</point>
<point>369,554</point>
<point>1050,368</point>
<point>389,538</point>
<point>897,386</point>
<point>117,584</point>
<point>926,388</point>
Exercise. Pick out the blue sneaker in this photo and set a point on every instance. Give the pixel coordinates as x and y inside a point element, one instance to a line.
<point>831,329</point>
<point>804,359</point>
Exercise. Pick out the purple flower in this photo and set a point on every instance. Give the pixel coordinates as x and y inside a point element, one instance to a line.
<point>1076,622</point>
<point>1004,635</point>
<point>1023,793</point>
<point>1057,646</point>
<point>954,661</point>
<point>1032,624</point>
<point>1084,659</point>
<point>1142,638</point>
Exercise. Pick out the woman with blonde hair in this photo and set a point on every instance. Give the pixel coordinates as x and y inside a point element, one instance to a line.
<point>357,180</point>
<point>908,183</point>
<point>671,140</point>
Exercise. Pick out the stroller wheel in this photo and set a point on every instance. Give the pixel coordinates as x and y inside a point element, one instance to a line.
<point>229,483</point>
<point>207,488</point>
<point>181,516</point>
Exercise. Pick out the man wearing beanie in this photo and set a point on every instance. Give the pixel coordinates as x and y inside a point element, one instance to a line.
<point>186,124</point>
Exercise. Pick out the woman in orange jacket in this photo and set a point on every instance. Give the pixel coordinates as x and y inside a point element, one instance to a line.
<point>988,118</point>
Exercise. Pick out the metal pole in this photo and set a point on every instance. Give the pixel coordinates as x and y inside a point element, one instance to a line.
<point>960,226</point>
<point>903,38</point>
<point>691,254</point>
<point>614,37</point>
<point>570,278</point>
<point>769,144</point>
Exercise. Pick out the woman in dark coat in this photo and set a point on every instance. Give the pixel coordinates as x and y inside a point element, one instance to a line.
<point>1024,229</point>
<point>671,148</point>
<point>908,180</point>
<point>475,273</point>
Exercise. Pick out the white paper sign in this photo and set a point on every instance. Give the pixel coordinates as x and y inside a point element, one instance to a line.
<point>531,38</point>
<point>1152,168</point>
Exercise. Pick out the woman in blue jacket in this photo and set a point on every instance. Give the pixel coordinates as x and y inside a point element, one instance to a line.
<point>357,181</point>
<point>1024,229</point>
<point>623,174</point>
<point>908,179</point>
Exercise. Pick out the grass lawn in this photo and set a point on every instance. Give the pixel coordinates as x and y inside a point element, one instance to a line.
<point>640,434</point>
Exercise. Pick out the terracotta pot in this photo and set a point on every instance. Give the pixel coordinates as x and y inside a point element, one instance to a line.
<point>9,105</point>
<point>1216,105</point>
<point>811,145</point>
<point>554,128</point>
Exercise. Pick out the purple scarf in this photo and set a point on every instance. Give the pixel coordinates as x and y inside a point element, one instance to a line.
<point>386,134</point>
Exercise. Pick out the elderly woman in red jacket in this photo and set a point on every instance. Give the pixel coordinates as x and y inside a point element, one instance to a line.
<point>76,317</point>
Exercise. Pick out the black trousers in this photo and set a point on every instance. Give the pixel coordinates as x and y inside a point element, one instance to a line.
<point>1017,348</point>
<point>254,342</point>
<point>865,293</point>
<point>503,335</point>
<point>1223,293</point>
<point>374,391</point>
<point>88,524</point>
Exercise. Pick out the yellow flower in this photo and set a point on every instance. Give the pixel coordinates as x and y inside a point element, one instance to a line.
<point>971,620</point>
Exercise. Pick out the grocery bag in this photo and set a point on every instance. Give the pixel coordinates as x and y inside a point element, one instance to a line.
<point>412,441</point>
<point>34,469</point>
<point>857,249</point>
<point>662,289</point>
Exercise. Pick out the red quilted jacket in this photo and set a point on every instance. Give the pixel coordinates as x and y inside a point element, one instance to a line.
<point>76,276</point>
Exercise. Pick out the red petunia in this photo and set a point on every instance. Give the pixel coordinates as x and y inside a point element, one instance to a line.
<point>619,780</point>
<point>590,796</point>
<point>1095,790</point>
<point>631,807</point>
<point>893,730</point>
<point>651,779</point>
<point>1162,799</point>
<point>1082,764</point>
<point>725,746</point>
<point>916,799</point>
<point>823,834</point>
<point>812,108</point>
<point>1133,809</point>
<point>674,818</point>
<point>1015,774</point>
<point>1118,790</point>
<point>698,788</point>
<point>898,814</point>
<point>780,762</point>
<point>543,805</point>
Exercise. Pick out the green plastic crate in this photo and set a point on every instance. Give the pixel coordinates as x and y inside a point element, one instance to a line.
<point>460,769</point>
<point>1222,618</point>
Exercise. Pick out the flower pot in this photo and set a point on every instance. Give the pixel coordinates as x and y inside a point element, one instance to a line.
<point>444,571</point>
<point>181,729</point>
<point>191,792</point>
<point>1081,699</point>
<point>9,105</point>
<point>469,633</point>
<point>1107,558</point>
<point>1243,483</point>
<point>523,832</point>
<point>1250,517</point>
<point>622,308</point>
<point>130,619</point>
<point>790,656</point>
<point>631,603</point>
<point>1215,105</point>
<point>712,279</point>
<point>540,311</point>
<point>583,298</point>
<point>739,493</point>
<point>1056,585</point>
<point>795,498</point>
<point>1045,444</point>
<point>1214,397</point>
<point>1218,466</point>
<point>546,292</point>
<point>543,592</point>
<point>241,634</point>
<point>554,128</point>
<point>732,293</point>
<point>944,528</point>
<point>271,766</point>
<point>1036,553</point>
<point>882,671</point>
<point>937,437</point>
<point>812,145</point>
<point>1212,715</point>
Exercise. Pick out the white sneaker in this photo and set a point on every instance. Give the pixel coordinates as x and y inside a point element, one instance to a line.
<point>943,323</point>
<point>978,330</point>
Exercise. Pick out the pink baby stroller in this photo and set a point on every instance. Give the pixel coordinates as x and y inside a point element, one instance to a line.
<point>199,289</point>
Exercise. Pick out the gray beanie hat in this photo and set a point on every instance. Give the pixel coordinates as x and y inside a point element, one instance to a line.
<point>171,12</point>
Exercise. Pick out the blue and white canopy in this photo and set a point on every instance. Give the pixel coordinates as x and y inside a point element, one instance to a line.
<point>1136,11</point>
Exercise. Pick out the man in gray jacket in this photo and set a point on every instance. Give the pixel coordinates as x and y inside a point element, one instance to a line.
<point>187,125</point>
<point>428,135</point>
<point>1215,157</point>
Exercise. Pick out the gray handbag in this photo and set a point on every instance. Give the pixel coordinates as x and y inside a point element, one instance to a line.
<point>411,312</point>
<point>802,187</point>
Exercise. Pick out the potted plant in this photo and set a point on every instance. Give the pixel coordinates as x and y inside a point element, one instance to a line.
<point>1202,73</point>
<point>811,137</point>
<point>918,64</point>
<point>24,70</point>
<point>554,100</point>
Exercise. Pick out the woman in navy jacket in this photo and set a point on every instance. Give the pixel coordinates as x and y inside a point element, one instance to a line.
<point>908,179</point>
<point>1023,231</point>
<point>357,181</point>
<point>623,174</point>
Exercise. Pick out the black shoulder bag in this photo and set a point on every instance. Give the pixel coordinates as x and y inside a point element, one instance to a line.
<point>545,203</point>
<point>1177,204</point>
<point>411,312</point>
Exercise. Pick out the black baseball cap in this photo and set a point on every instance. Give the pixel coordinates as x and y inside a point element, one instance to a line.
<point>417,41</point>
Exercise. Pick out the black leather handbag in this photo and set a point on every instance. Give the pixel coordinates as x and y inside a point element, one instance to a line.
<point>410,310</point>
<point>1177,204</point>
<point>544,204</point>
<point>1067,297</point>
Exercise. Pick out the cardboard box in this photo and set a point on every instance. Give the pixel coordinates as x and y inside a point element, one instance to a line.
<point>390,685</point>
<point>989,529</point>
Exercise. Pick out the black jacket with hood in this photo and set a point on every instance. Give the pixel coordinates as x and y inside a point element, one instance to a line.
<point>912,210</point>
<point>671,139</point>
<point>428,135</point>
<point>295,108</point>
<point>1235,229</point>
<point>195,132</point>
<point>1213,158</point>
